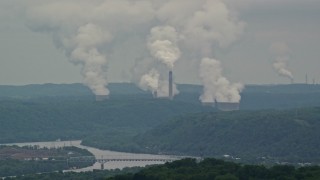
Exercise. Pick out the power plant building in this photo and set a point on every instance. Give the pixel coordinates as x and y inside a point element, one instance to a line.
<point>228,106</point>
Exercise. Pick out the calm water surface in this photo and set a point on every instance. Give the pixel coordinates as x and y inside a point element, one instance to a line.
<point>102,154</point>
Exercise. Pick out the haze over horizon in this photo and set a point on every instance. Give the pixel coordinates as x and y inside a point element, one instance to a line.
<point>30,57</point>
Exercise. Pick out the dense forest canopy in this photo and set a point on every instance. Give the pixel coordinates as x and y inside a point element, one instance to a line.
<point>131,120</point>
<point>264,135</point>
<point>221,170</point>
<point>190,169</point>
<point>23,121</point>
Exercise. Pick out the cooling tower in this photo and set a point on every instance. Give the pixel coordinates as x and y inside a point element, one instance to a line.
<point>211,104</point>
<point>228,106</point>
<point>170,85</point>
<point>101,97</point>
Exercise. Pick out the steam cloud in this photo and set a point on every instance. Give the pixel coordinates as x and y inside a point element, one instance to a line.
<point>84,30</point>
<point>88,32</point>
<point>150,81</point>
<point>85,52</point>
<point>281,51</point>
<point>196,26</point>
<point>163,45</point>
<point>217,87</point>
<point>280,65</point>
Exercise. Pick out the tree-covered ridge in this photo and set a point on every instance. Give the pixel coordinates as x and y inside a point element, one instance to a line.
<point>253,96</point>
<point>65,119</point>
<point>259,136</point>
<point>62,90</point>
<point>89,175</point>
<point>270,135</point>
<point>190,169</point>
<point>213,169</point>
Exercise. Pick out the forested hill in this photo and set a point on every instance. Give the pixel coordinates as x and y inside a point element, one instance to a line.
<point>60,118</point>
<point>253,96</point>
<point>190,169</point>
<point>213,169</point>
<point>268,135</point>
<point>64,90</point>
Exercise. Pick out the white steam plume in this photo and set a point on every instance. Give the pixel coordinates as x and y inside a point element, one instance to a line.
<point>153,81</point>
<point>216,86</point>
<point>280,65</point>
<point>150,81</point>
<point>162,44</point>
<point>163,89</point>
<point>89,32</point>
<point>93,63</point>
<point>84,30</point>
<point>203,24</point>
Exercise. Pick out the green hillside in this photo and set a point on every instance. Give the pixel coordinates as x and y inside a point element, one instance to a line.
<point>269,135</point>
<point>213,169</point>
<point>190,169</point>
<point>126,120</point>
<point>95,122</point>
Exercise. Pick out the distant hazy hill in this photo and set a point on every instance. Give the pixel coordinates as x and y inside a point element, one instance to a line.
<point>283,88</point>
<point>52,90</point>
<point>288,135</point>
<point>253,96</point>
<point>43,90</point>
<point>280,96</point>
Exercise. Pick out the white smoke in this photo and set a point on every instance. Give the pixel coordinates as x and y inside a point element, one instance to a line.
<point>280,65</point>
<point>203,24</point>
<point>93,63</point>
<point>206,25</point>
<point>150,81</point>
<point>197,26</point>
<point>163,45</point>
<point>89,32</point>
<point>84,30</point>
<point>163,89</point>
<point>216,86</point>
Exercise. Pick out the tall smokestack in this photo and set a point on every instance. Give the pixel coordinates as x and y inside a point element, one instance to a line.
<point>170,85</point>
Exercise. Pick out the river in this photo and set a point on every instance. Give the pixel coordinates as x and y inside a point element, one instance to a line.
<point>102,154</point>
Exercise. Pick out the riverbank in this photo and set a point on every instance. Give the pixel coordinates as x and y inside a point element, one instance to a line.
<point>100,154</point>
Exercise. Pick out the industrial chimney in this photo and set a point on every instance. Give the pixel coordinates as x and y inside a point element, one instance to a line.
<point>170,85</point>
<point>101,97</point>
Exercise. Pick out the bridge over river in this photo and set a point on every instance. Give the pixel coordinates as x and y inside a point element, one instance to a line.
<point>103,161</point>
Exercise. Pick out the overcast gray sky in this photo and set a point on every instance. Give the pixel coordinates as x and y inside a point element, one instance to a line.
<point>28,56</point>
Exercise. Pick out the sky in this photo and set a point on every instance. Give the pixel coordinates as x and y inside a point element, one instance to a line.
<point>255,44</point>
